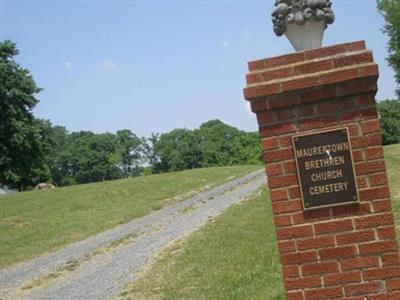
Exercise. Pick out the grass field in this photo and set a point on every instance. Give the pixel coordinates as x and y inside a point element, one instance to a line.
<point>233,257</point>
<point>32,223</point>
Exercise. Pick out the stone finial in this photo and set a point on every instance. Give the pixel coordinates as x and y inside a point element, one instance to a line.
<point>302,21</point>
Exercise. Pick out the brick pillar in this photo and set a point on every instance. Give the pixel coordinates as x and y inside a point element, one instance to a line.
<point>343,252</point>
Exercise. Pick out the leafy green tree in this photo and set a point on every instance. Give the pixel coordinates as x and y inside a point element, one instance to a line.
<point>91,157</point>
<point>213,144</point>
<point>23,143</point>
<point>389,114</point>
<point>390,10</point>
<point>131,151</point>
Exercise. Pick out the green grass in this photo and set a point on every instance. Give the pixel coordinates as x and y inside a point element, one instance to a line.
<point>234,257</point>
<point>36,222</point>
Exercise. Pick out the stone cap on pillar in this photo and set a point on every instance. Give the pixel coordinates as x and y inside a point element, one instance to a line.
<point>311,75</point>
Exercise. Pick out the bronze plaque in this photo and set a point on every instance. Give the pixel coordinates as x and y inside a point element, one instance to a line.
<point>325,168</point>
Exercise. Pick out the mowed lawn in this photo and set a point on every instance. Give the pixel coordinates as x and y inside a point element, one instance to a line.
<point>233,257</point>
<point>33,223</point>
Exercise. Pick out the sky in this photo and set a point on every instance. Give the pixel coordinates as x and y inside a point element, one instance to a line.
<point>152,66</point>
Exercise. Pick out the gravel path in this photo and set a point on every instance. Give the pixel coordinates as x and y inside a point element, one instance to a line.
<point>99,266</point>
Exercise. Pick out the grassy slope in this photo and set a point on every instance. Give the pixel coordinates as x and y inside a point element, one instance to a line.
<point>235,257</point>
<point>35,222</point>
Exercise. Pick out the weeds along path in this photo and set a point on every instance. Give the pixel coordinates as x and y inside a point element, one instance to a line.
<point>98,267</point>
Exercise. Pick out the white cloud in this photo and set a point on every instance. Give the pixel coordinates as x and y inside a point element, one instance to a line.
<point>248,107</point>
<point>108,65</point>
<point>226,44</point>
<point>68,65</point>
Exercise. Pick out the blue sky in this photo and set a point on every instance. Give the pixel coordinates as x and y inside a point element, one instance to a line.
<point>151,66</point>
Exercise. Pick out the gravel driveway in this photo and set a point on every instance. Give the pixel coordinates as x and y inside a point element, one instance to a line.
<point>98,267</point>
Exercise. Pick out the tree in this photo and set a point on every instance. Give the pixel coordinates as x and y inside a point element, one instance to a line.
<point>390,10</point>
<point>23,144</point>
<point>131,152</point>
<point>389,114</point>
<point>90,157</point>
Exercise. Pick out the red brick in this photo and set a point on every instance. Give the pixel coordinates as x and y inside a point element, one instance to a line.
<point>381,273</point>
<point>357,87</point>
<point>273,169</point>
<point>337,252</point>
<point>364,288</point>
<point>316,94</point>
<point>282,220</point>
<point>354,46</point>
<point>291,271</point>
<point>334,106</point>
<point>259,105</point>
<point>289,167</point>
<point>261,90</point>
<point>300,83</point>
<point>374,153</point>
<point>370,70</point>
<point>341,278</point>
<point>294,296</point>
<point>282,181</point>
<point>359,263</point>
<point>305,111</point>
<point>265,118</point>
<point>387,233</point>
<point>333,226</point>
<point>374,221</point>
<point>326,51</point>
<point>351,210</point>
<point>313,67</point>
<point>269,143</point>
<point>360,114</point>
<point>278,195</point>
<point>315,243</point>
<point>319,268</point>
<point>353,59</point>
<point>294,192</point>
<point>284,60</point>
<point>370,127</point>
<point>278,155</point>
<point>318,122</point>
<point>390,259</point>
<point>287,100</point>
<point>365,100</point>
<point>301,283</point>
<point>281,207</point>
<point>354,129</point>
<point>284,115</point>
<point>294,232</point>
<point>382,206</point>
<point>326,293</point>
<point>355,237</point>
<point>276,74</point>
<point>340,75</point>
<point>311,216</point>
<point>369,167</point>
<point>378,247</point>
<point>287,246</point>
<point>358,155</point>
<point>298,258</point>
<point>374,193</point>
<point>285,141</point>
<point>253,78</point>
<point>393,284</point>
<point>395,295</point>
<point>362,182</point>
<point>257,65</point>
<point>278,129</point>
<point>377,179</point>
